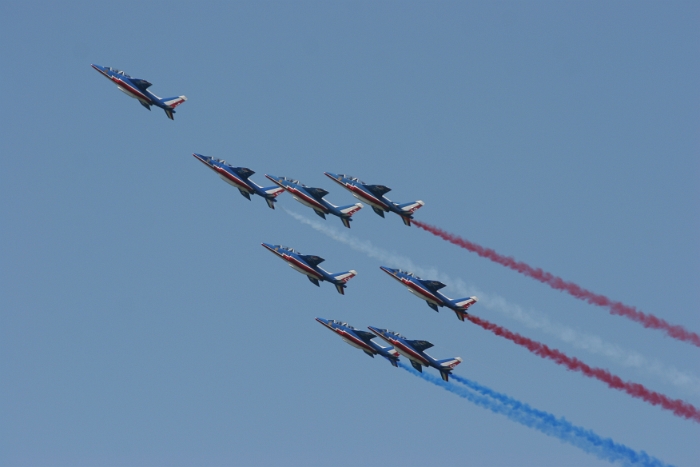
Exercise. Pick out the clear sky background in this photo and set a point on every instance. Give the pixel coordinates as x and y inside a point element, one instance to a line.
<point>141,322</point>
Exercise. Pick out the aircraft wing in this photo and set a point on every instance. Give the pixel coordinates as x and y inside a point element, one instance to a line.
<point>378,190</point>
<point>317,193</point>
<point>142,84</point>
<point>364,335</point>
<point>244,172</point>
<point>312,260</point>
<point>420,345</point>
<point>434,286</point>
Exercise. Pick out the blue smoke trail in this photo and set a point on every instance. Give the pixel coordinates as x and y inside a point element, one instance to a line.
<point>587,440</point>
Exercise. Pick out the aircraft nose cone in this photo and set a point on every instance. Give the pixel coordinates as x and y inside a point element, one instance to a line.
<point>377,331</point>
<point>388,270</point>
<point>331,175</point>
<point>322,321</point>
<point>202,158</point>
<point>268,246</point>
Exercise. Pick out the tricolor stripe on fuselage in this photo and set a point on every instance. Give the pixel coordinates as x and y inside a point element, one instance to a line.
<point>367,197</point>
<point>409,352</point>
<point>232,179</point>
<point>137,94</point>
<point>425,293</point>
<point>306,199</point>
<point>354,341</point>
<point>301,266</point>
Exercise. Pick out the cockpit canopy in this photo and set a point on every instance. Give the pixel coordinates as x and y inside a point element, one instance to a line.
<point>119,72</point>
<point>341,323</point>
<point>289,249</point>
<point>409,274</point>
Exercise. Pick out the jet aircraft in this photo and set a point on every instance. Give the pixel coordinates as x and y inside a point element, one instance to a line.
<point>361,340</point>
<point>313,198</point>
<point>374,196</point>
<point>239,178</point>
<point>309,266</point>
<point>429,291</point>
<point>415,352</point>
<point>138,89</point>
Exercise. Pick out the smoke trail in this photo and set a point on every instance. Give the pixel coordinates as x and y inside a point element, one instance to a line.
<point>592,344</point>
<point>616,308</point>
<point>678,407</point>
<point>565,431</point>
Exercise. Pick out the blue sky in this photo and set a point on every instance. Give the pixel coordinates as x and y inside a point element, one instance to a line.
<point>142,323</point>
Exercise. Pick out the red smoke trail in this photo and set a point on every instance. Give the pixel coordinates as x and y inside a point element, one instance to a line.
<point>678,407</point>
<point>616,308</point>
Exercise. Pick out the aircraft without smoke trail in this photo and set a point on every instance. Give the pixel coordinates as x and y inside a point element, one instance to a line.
<point>239,178</point>
<point>138,89</point>
<point>429,291</point>
<point>414,350</point>
<point>361,340</point>
<point>313,198</point>
<point>309,266</point>
<point>374,196</point>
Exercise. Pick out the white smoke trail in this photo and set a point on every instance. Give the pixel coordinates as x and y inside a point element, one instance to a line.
<point>531,319</point>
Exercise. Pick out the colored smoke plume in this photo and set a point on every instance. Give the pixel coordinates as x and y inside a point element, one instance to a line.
<point>616,308</point>
<point>678,407</point>
<point>560,428</point>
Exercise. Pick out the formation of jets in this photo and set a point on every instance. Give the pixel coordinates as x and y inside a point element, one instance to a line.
<point>373,195</point>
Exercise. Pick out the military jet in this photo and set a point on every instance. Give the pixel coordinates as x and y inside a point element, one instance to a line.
<point>361,340</point>
<point>138,89</point>
<point>313,198</point>
<point>374,196</point>
<point>415,352</point>
<point>309,266</point>
<point>428,291</point>
<point>239,178</point>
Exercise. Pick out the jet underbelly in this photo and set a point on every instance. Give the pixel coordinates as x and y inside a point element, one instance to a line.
<point>233,183</point>
<point>354,344</point>
<point>316,206</point>
<point>362,196</point>
<point>427,298</point>
<point>305,271</point>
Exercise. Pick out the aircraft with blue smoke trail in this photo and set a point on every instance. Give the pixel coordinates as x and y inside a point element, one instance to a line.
<point>239,177</point>
<point>309,266</point>
<point>374,196</point>
<point>429,291</point>
<point>361,340</point>
<point>313,198</point>
<point>138,89</point>
<point>414,350</point>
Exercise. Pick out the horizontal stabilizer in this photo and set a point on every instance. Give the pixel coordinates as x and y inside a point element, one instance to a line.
<point>273,190</point>
<point>173,102</point>
<point>417,366</point>
<point>317,193</point>
<point>464,303</point>
<point>411,207</point>
<point>314,281</point>
<point>394,361</point>
<point>420,345</point>
<point>378,190</point>
<point>449,363</point>
<point>445,375</point>
<point>169,113</point>
<point>245,193</point>
<point>270,202</point>
<point>345,221</point>
<point>343,277</point>
<point>312,260</point>
<point>340,288</point>
<point>350,209</point>
<point>320,214</point>
<point>378,211</point>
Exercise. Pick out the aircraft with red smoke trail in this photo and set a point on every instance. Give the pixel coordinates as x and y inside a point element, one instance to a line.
<point>374,196</point>
<point>414,350</point>
<point>429,291</point>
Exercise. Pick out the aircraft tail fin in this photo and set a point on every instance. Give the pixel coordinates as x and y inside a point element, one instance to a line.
<point>464,303</point>
<point>347,211</point>
<point>270,193</point>
<point>447,365</point>
<point>173,102</point>
<point>410,208</point>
